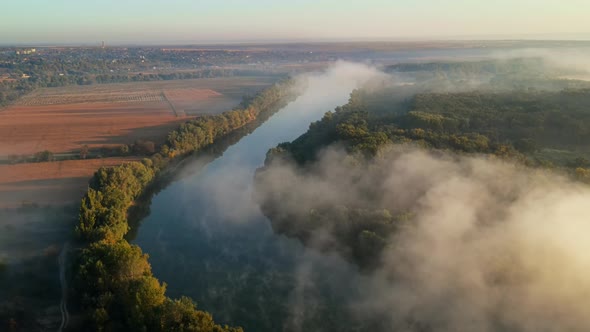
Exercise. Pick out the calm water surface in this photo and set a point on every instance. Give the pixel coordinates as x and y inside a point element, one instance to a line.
<point>207,239</point>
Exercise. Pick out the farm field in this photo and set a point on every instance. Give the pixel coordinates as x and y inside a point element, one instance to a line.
<point>63,128</point>
<point>39,201</point>
<point>62,120</point>
<point>49,183</point>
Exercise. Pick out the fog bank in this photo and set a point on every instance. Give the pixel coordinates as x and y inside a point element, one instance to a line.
<point>491,246</point>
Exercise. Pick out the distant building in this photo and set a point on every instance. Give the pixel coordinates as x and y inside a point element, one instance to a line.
<point>26,51</point>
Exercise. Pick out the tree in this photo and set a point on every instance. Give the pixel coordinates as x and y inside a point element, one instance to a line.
<point>182,315</point>
<point>13,158</point>
<point>144,147</point>
<point>84,151</point>
<point>582,174</point>
<point>124,149</point>
<point>141,298</point>
<point>44,156</point>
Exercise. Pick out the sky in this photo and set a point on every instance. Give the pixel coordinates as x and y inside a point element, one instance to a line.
<point>211,21</point>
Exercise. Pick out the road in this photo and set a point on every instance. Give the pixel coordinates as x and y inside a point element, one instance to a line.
<point>65,315</point>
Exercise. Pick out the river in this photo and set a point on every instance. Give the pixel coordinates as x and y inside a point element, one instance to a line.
<point>208,240</point>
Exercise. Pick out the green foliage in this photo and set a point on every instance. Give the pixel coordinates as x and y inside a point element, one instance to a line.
<point>142,147</point>
<point>130,178</point>
<point>200,132</point>
<point>369,245</point>
<point>583,174</point>
<point>116,287</point>
<point>104,266</point>
<point>516,124</point>
<point>114,282</point>
<point>43,156</point>
<point>521,126</point>
<point>545,118</point>
<point>181,316</point>
<point>110,193</point>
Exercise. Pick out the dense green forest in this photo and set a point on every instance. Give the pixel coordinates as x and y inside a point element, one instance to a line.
<point>530,124</point>
<point>113,282</point>
<point>545,129</point>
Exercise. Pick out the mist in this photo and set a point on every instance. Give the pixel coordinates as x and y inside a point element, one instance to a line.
<point>574,59</point>
<point>228,181</point>
<point>498,70</point>
<point>216,246</point>
<point>491,246</point>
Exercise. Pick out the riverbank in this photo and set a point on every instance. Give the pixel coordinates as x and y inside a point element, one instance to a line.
<point>207,238</point>
<point>113,283</point>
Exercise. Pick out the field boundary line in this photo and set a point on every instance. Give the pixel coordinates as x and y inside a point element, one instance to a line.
<point>170,103</point>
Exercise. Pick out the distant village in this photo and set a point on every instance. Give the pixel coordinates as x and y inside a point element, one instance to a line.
<point>23,69</point>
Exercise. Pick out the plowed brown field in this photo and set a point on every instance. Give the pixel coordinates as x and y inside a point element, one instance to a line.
<point>50,183</point>
<point>62,128</point>
<point>62,120</point>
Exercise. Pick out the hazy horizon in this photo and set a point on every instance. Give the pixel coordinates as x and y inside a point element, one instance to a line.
<point>255,42</point>
<point>263,21</point>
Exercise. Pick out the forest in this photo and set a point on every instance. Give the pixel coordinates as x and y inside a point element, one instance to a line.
<point>539,129</point>
<point>113,283</point>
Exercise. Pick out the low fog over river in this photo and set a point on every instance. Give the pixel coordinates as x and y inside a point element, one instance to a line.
<point>207,238</point>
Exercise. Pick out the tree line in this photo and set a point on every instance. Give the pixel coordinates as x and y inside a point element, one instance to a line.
<point>114,284</point>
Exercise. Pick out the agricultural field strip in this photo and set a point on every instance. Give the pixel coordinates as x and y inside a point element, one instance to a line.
<point>40,99</point>
<point>153,96</point>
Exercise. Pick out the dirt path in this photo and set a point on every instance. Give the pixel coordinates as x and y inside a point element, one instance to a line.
<point>65,315</point>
